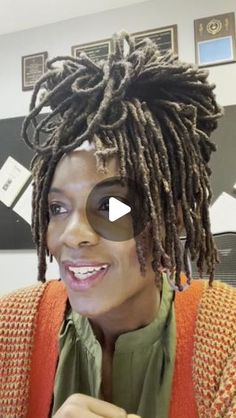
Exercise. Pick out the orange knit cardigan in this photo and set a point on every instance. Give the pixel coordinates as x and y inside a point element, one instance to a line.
<point>204,383</point>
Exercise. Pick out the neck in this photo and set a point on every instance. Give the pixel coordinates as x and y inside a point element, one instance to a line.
<point>135,313</point>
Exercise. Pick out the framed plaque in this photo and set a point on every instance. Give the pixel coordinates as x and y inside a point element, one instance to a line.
<point>165,38</point>
<point>33,67</point>
<point>96,51</point>
<point>215,40</point>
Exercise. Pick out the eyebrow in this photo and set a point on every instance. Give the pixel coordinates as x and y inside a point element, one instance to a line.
<point>110,183</point>
<point>105,184</point>
<point>55,190</point>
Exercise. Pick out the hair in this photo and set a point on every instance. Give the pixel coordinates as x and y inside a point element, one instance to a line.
<point>156,115</point>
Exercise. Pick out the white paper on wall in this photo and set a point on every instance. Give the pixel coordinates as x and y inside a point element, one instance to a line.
<point>223,214</point>
<point>23,207</point>
<point>13,177</point>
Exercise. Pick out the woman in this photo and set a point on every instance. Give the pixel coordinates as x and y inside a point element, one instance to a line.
<point>107,340</point>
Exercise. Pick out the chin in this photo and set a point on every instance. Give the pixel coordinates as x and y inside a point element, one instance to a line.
<point>88,310</point>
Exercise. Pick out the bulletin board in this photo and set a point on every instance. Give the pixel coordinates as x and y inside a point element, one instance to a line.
<point>15,233</point>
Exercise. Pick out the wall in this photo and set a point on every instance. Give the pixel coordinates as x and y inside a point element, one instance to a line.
<point>57,39</point>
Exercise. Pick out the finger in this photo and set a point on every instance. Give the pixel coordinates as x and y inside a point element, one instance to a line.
<point>106,409</point>
<point>133,416</point>
<point>70,411</point>
<point>97,406</point>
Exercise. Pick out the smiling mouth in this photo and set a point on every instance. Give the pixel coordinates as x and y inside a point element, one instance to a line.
<point>83,278</point>
<point>86,272</point>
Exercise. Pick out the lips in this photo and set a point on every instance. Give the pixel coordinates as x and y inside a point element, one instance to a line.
<point>84,275</point>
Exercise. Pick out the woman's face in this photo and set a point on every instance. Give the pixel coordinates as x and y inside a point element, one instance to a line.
<point>78,249</point>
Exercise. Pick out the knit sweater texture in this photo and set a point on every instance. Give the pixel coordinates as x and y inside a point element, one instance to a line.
<point>204,383</point>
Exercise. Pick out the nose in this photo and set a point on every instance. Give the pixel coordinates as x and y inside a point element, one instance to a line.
<point>78,232</point>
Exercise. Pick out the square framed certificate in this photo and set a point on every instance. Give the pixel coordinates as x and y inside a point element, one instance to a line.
<point>165,38</point>
<point>33,67</point>
<point>96,51</point>
<point>215,40</point>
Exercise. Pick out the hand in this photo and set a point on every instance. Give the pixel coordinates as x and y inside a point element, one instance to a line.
<point>78,405</point>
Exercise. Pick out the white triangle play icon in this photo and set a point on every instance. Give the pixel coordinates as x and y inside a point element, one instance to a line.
<point>117,209</point>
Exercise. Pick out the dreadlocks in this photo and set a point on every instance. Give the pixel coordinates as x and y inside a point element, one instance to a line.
<point>156,115</point>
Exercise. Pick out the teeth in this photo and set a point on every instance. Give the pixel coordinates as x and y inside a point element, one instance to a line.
<point>83,276</point>
<point>85,272</point>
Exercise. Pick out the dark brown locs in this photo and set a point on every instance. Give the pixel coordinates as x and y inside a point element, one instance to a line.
<point>155,114</point>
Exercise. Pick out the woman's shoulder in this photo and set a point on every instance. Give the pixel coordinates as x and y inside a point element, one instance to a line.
<point>218,304</point>
<point>212,307</point>
<point>23,302</point>
<point>30,308</point>
<point>216,319</point>
<point>214,361</point>
<point>22,297</point>
<point>207,314</point>
<point>28,317</point>
<point>218,297</point>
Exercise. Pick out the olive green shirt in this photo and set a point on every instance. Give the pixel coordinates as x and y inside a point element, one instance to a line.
<point>143,362</point>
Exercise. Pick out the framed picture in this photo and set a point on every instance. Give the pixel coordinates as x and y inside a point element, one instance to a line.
<point>33,67</point>
<point>96,51</point>
<point>215,40</point>
<point>165,38</point>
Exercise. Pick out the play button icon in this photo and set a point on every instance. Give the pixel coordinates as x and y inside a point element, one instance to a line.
<point>115,209</point>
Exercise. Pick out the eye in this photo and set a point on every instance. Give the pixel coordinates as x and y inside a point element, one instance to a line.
<point>56,209</point>
<point>104,207</point>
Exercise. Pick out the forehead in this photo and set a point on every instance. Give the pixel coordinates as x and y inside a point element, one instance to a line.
<point>80,166</point>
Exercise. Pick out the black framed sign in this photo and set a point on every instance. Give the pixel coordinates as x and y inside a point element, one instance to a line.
<point>33,67</point>
<point>96,51</point>
<point>165,38</point>
<point>215,40</point>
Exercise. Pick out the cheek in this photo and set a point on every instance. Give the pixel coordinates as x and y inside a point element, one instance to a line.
<point>126,255</point>
<point>52,239</point>
<point>145,242</point>
<point>132,253</point>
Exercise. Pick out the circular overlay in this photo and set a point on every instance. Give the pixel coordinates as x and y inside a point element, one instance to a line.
<point>115,209</point>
